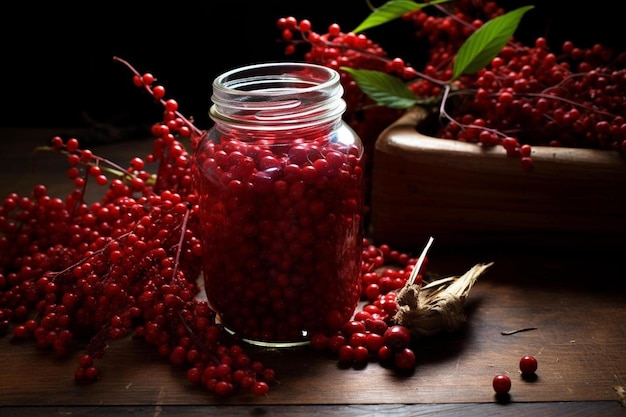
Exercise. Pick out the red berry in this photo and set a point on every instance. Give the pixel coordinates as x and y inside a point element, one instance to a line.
<point>528,365</point>
<point>345,354</point>
<point>373,342</point>
<point>72,144</point>
<point>336,341</point>
<point>405,359</point>
<point>353,326</point>
<point>377,326</point>
<point>147,78</point>
<point>260,388</point>
<point>360,354</point>
<point>385,354</point>
<point>319,341</point>
<point>171,105</point>
<point>158,92</point>
<point>501,384</point>
<point>397,337</point>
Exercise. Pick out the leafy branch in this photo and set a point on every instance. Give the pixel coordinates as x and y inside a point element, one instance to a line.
<point>391,10</point>
<point>473,55</point>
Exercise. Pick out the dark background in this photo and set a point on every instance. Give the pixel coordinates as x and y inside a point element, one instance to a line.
<point>57,67</point>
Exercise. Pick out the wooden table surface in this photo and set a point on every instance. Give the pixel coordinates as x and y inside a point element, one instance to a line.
<point>575,301</point>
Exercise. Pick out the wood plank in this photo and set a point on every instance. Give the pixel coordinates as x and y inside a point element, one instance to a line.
<point>579,342</point>
<point>561,409</point>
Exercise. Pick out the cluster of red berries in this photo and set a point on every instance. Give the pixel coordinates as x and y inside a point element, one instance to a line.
<point>75,274</point>
<point>502,383</point>
<point>371,335</point>
<point>527,95</point>
<point>336,49</point>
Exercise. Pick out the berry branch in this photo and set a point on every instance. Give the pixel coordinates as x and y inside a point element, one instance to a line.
<point>75,275</point>
<point>158,92</point>
<point>522,96</point>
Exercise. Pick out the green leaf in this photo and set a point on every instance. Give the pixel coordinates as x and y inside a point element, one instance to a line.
<point>384,89</point>
<point>487,42</point>
<point>391,10</point>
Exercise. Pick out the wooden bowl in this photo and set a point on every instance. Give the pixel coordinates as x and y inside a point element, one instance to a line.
<point>463,194</point>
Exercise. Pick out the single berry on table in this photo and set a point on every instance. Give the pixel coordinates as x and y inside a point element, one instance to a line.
<point>528,365</point>
<point>501,384</point>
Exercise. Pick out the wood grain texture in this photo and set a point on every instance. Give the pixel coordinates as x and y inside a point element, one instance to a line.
<point>564,409</point>
<point>579,342</point>
<point>576,304</point>
<point>462,193</point>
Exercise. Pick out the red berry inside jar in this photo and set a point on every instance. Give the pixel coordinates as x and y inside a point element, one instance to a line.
<point>280,185</point>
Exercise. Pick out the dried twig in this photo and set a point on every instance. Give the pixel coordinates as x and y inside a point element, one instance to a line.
<point>510,332</point>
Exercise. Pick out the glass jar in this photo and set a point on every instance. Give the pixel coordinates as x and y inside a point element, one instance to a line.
<point>280,183</point>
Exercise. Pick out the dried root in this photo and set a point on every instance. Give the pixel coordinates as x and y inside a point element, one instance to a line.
<point>437,306</point>
<point>621,394</point>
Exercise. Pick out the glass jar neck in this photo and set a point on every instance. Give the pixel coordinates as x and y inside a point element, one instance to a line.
<point>277,97</point>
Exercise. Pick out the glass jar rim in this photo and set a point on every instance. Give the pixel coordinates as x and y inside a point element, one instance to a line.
<point>232,81</point>
<point>277,95</point>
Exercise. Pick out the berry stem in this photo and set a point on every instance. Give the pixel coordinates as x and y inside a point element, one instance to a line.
<point>181,240</point>
<point>420,262</point>
<point>162,101</point>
